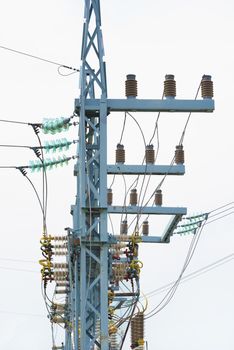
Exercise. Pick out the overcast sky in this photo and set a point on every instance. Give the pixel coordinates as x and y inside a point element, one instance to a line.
<point>149,39</point>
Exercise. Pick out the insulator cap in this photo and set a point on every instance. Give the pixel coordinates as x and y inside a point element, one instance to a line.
<point>179,154</point>
<point>158,198</point>
<point>131,86</point>
<point>169,86</point>
<point>207,87</point>
<point>109,196</point>
<point>133,197</point>
<point>149,154</point>
<point>124,227</point>
<point>120,154</point>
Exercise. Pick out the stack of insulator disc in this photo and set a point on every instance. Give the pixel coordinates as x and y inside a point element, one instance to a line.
<point>131,86</point>
<point>149,154</point>
<point>179,155</point>
<point>133,196</point>
<point>145,228</point>
<point>114,342</point>
<point>120,154</point>
<point>109,196</point>
<point>158,198</point>
<point>119,271</point>
<point>169,86</point>
<point>207,87</point>
<point>124,227</point>
<point>137,330</point>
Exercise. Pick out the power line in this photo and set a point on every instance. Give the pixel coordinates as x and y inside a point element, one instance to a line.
<point>20,313</point>
<point>38,58</point>
<point>15,269</point>
<point>19,260</point>
<point>194,274</point>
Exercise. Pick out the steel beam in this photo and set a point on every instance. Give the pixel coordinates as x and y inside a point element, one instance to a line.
<point>147,210</point>
<point>147,169</point>
<point>140,105</point>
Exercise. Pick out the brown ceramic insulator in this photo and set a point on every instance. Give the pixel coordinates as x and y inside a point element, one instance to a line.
<point>62,283</point>
<point>61,291</point>
<point>133,197</point>
<point>207,87</point>
<point>137,330</point>
<point>158,198</point>
<point>149,154</point>
<point>179,154</point>
<point>145,228</point>
<point>124,227</point>
<point>109,196</point>
<point>131,86</point>
<point>169,86</point>
<point>60,265</point>
<point>120,154</point>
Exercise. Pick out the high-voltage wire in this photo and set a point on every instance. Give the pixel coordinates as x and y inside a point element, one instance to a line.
<point>39,58</point>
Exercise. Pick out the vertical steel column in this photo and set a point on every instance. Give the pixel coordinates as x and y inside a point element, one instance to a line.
<point>90,211</point>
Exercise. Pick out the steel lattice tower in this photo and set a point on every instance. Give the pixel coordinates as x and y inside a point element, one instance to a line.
<point>90,211</point>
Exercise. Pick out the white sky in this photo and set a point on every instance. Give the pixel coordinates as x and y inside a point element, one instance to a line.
<point>150,39</point>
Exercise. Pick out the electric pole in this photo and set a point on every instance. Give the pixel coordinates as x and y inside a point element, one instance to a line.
<point>93,270</point>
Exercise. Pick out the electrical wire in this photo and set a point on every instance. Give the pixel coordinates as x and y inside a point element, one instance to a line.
<point>15,269</point>
<point>13,122</point>
<point>193,274</point>
<point>38,58</point>
<point>169,295</point>
<point>18,260</point>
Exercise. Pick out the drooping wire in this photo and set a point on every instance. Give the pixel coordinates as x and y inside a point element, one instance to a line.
<point>193,274</point>
<point>169,295</point>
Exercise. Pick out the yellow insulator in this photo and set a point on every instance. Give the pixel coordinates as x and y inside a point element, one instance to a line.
<point>112,329</point>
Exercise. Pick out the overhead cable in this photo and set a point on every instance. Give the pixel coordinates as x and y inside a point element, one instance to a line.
<point>39,58</point>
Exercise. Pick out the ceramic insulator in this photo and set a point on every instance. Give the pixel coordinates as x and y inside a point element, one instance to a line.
<point>145,228</point>
<point>169,86</point>
<point>133,197</point>
<point>207,87</point>
<point>158,198</point>
<point>131,86</point>
<point>109,196</point>
<point>179,155</point>
<point>120,154</point>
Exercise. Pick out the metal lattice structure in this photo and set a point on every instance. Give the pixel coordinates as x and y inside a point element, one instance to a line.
<point>90,211</point>
<point>97,260</point>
